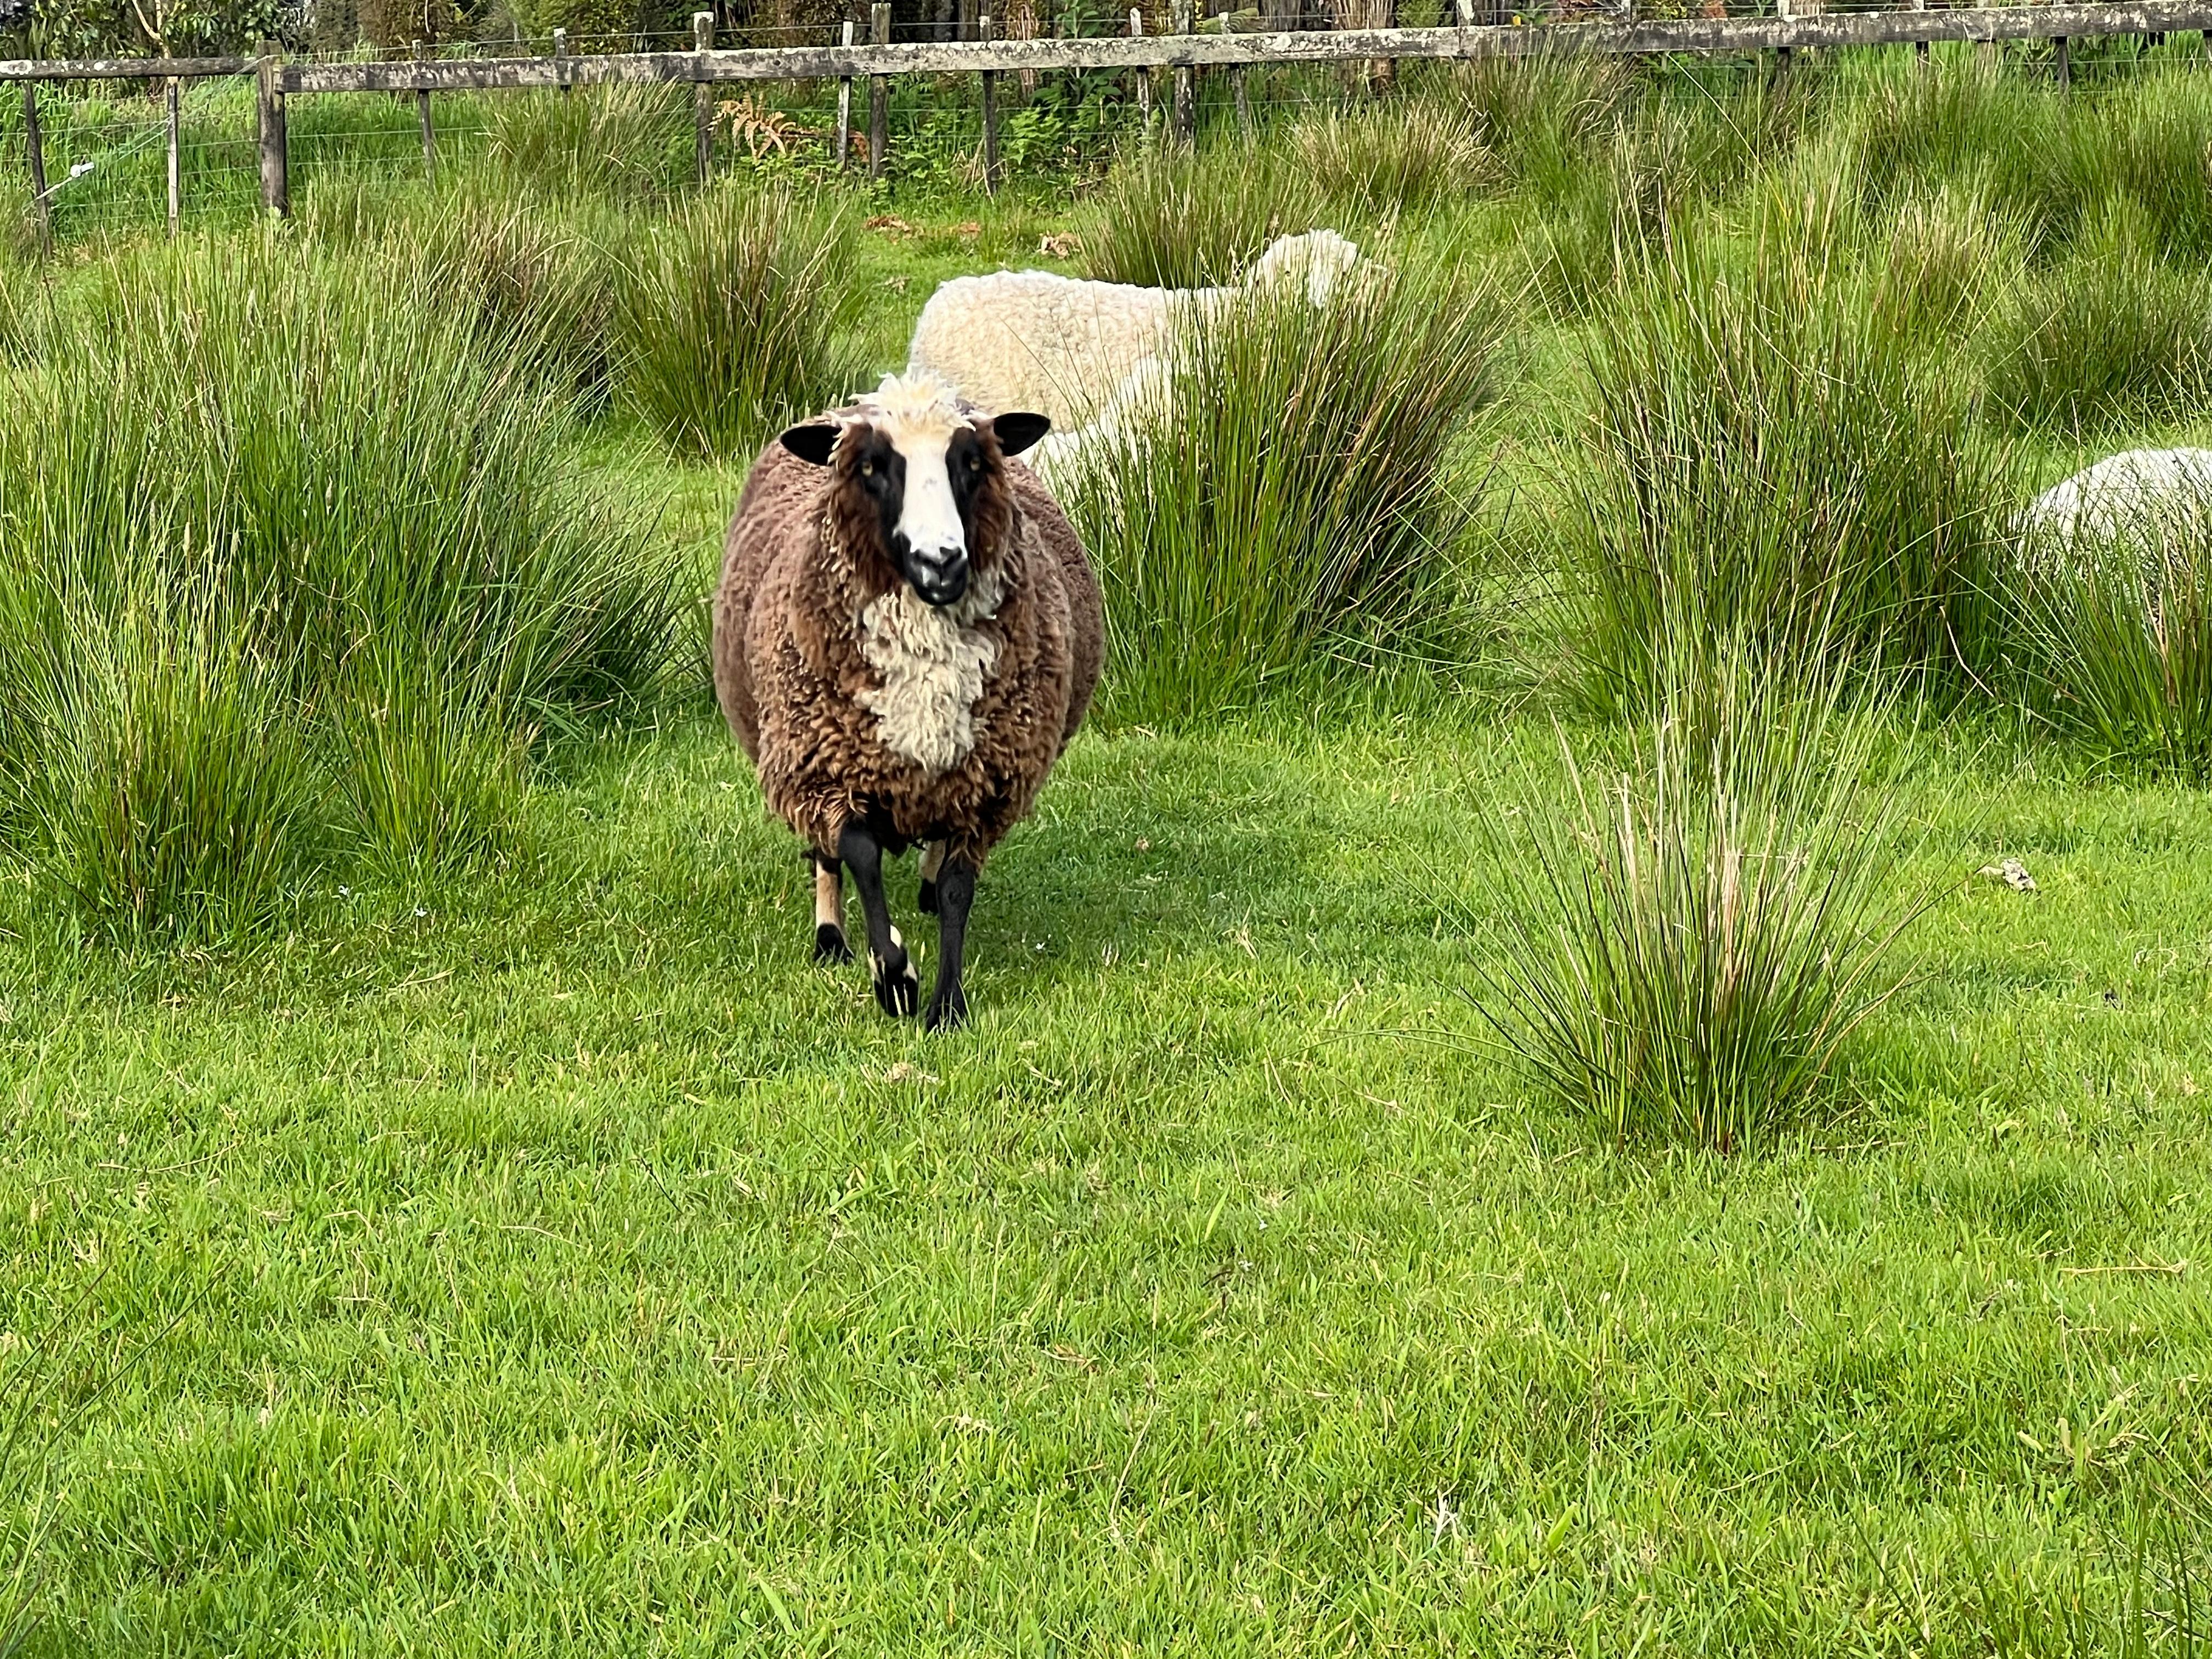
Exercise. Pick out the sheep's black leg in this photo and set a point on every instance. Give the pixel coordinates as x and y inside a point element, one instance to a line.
<point>898,987</point>
<point>829,944</point>
<point>956,891</point>
<point>933,859</point>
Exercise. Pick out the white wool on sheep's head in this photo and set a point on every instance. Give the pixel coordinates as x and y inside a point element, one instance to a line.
<point>1319,259</point>
<point>914,406</point>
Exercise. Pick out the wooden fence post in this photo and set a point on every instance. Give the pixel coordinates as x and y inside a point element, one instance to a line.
<point>430,130</point>
<point>990,110</point>
<point>561,61</point>
<point>702,114</point>
<point>879,91</point>
<point>276,153</point>
<point>1186,81</point>
<point>845,112</point>
<point>1782,54</point>
<point>173,120</point>
<point>2063,65</point>
<point>34,144</point>
<point>1144,76</point>
<point>1920,47</point>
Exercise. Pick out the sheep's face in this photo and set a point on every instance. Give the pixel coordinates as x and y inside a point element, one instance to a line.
<point>921,465</point>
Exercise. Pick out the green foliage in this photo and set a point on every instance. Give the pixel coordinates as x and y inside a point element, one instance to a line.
<point>2110,335</point>
<point>2116,627</point>
<point>1283,490</point>
<point>255,494</point>
<point>736,316</point>
<point>632,142</point>
<point>1381,158</point>
<point>1690,943</point>
<point>1771,462</point>
<point>1165,219</point>
<point>539,288</point>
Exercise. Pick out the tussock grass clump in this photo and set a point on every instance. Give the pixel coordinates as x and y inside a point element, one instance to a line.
<point>737,316</point>
<point>2110,335</point>
<point>257,494</point>
<point>1531,111</point>
<point>1283,490</point>
<point>2149,145</point>
<point>1770,462</point>
<point>1952,260</point>
<point>1382,158</point>
<point>1168,220</point>
<point>536,289</point>
<point>2116,627</point>
<point>1690,943</point>
<point>626,141</point>
<point>1960,119</point>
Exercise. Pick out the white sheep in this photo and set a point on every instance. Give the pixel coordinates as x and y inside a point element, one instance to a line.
<point>1064,347</point>
<point>2149,509</point>
<point>2132,492</point>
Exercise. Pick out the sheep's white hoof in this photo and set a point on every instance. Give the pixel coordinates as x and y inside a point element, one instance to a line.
<point>898,987</point>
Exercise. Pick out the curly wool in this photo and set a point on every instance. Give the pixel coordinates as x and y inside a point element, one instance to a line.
<point>1061,347</point>
<point>857,701</point>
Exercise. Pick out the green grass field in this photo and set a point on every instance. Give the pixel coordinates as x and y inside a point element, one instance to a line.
<point>539,1256</point>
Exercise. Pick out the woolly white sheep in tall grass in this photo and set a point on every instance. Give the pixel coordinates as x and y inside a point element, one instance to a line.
<point>1064,347</point>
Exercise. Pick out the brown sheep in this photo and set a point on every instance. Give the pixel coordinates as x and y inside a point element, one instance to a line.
<point>907,634</point>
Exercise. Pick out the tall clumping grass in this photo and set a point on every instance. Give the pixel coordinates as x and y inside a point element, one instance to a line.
<point>1165,219</point>
<point>538,286</point>
<point>1382,158</point>
<point>261,505</point>
<point>737,316</point>
<point>1771,461</point>
<point>1686,949</point>
<point>630,142</point>
<point>1956,120</point>
<point>1283,490</point>
<point>2114,622</point>
<point>1953,261</point>
<point>2109,335</point>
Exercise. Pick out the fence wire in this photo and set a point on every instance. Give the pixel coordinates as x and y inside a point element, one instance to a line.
<point>105,150</point>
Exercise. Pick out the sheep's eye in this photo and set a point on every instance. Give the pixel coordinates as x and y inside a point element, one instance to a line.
<point>867,469</point>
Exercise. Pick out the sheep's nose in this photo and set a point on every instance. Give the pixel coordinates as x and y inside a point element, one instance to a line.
<point>940,574</point>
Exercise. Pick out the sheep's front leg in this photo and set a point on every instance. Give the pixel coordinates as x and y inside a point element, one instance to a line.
<point>933,860</point>
<point>956,891</point>
<point>829,944</point>
<point>898,987</point>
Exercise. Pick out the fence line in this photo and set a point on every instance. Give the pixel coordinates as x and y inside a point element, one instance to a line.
<point>1183,52</point>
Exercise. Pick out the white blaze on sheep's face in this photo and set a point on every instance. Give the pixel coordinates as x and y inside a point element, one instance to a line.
<point>923,637</point>
<point>919,418</point>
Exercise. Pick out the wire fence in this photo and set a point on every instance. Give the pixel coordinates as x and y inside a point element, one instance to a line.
<point>106,154</point>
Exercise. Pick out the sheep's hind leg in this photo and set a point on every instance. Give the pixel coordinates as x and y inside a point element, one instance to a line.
<point>933,860</point>
<point>956,891</point>
<point>829,944</point>
<point>898,987</point>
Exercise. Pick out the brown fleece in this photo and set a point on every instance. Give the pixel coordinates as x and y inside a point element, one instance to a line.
<point>789,672</point>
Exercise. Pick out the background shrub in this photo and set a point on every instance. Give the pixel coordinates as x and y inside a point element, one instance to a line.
<point>2110,334</point>
<point>255,492</point>
<point>1166,219</point>
<point>1286,490</point>
<point>736,316</point>
<point>1770,462</point>
<point>1688,946</point>
<point>1381,159</point>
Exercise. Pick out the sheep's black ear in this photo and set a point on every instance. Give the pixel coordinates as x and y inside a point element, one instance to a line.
<point>1018,431</point>
<point>811,442</point>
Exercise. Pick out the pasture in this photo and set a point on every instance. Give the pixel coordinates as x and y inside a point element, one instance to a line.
<point>442,1209</point>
